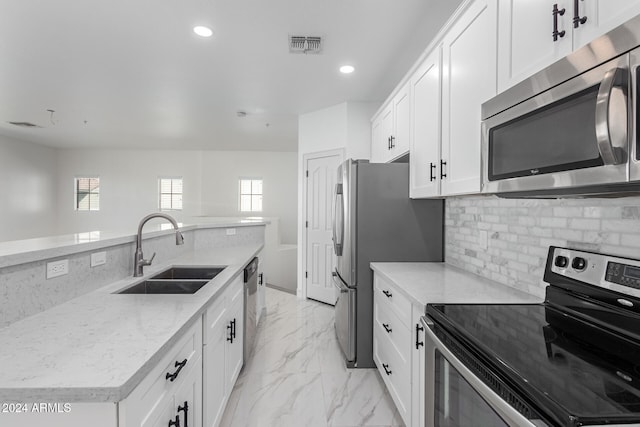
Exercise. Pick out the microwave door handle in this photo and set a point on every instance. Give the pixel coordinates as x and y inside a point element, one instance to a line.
<point>337,245</point>
<point>610,155</point>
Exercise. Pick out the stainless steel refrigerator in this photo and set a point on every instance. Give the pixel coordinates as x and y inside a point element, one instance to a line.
<point>374,220</point>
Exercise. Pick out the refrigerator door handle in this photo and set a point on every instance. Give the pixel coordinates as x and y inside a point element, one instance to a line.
<point>338,220</point>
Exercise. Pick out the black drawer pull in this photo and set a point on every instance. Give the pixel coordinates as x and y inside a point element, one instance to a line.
<point>175,423</point>
<point>432,168</point>
<point>185,409</point>
<point>386,370</point>
<point>179,365</point>
<point>387,293</point>
<point>386,327</point>
<point>418,342</point>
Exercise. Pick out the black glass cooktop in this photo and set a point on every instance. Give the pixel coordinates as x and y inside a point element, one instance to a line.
<point>577,373</point>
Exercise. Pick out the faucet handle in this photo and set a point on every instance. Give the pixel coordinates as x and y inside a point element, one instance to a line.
<point>149,261</point>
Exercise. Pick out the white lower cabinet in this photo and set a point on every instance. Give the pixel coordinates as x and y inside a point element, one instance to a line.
<point>398,349</point>
<point>157,400</point>
<point>222,351</point>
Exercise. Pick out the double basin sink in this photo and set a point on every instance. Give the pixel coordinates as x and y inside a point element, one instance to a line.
<point>175,280</point>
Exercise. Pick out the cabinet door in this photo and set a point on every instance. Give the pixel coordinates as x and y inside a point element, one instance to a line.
<point>602,16</point>
<point>187,401</point>
<point>234,354</point>
<point>401,122</point>
<point>379,144</point>
<point>418,385</point>
<point>425,127</point>
<point>468,79</point>
<point>214,391</point>
<point>526,43</point>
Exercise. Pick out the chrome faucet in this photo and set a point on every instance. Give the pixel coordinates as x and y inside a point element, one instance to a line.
<point>138,261</point>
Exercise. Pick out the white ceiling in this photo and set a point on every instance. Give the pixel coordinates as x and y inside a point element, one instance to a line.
<point>139,77</point>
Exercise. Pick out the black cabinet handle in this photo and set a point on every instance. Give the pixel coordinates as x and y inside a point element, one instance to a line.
<point>577,19</point>
<point>432,168</point>
<point>175,423</point>
<point>387,293</point>
<point>185,409</point>
<point>418,342</point>
<point>386,327</point>
<point>557,34</point>
<point>386,370</point>
<point>260,279</point>
<point>233,322</point>
<point>393,144</point>
<point>442,172</point>
<point>179,365</point>
<point>230,330</point>
<point>389,143</point>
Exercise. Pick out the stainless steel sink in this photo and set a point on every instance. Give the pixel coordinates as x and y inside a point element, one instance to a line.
<point>152,286</point>
<point>207,273</point>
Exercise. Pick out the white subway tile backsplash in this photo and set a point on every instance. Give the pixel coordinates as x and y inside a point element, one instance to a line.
<point>520,232</point>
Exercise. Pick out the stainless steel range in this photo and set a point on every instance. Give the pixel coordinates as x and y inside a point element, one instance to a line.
<point>573,360</point>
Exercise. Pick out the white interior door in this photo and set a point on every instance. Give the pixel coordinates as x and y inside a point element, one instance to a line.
<point>321,180</point>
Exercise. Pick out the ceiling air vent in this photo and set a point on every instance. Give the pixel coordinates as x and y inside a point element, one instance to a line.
<point>305,44</point>
<point>25,124</point>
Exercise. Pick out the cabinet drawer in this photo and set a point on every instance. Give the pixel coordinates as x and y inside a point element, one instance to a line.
<point>388,324</point>
<point>388,295</point>
<point>156,387</point>
<point>396,376</point>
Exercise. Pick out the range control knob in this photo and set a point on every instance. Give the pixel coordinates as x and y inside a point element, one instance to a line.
<point>579,263</point>
<point>561,261</point>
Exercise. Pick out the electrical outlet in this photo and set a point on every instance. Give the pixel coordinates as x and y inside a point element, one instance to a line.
<point>57,268</point>
<point>231,231</point>
<point>98,258</point>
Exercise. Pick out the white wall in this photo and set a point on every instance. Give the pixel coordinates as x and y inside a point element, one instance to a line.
<point>28,190</point>
<point>345,126</point>
<point>128,186</point>
<point>220,174</point>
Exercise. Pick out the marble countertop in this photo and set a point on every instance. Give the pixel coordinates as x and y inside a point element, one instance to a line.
<point>436,282</point>
<point>28,250</point>
<point>99,346</point>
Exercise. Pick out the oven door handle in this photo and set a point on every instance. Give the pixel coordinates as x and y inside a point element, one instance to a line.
<point>508,414</point>
<point>607,129</point>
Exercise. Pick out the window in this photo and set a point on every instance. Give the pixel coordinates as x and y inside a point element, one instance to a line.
<point>250,195</point>
<point>170,194</point>
<point>87,194</point>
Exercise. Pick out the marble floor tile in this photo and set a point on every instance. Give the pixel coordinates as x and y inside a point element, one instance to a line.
<point>297,375</point>
<point>358,397</point>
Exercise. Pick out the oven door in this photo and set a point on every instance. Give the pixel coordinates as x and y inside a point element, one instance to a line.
<point>456,397</point>
<point>572,135</point>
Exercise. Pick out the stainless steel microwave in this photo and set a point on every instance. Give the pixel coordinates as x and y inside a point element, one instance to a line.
<point>569,130</point>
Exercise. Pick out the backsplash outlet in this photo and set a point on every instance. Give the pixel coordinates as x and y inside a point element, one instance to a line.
<point>520,231</point>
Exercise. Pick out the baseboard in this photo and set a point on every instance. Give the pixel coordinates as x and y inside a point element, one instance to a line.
<point>280,288</point>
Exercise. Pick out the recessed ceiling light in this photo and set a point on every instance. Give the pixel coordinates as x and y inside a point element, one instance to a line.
<point>203,31</point>
<point>347,69</point>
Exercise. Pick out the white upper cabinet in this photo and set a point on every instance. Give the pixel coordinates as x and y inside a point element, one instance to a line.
<point>534,34</point>
<point>526,43</point>
<point>390,129</point>
<point>425,127</point>
<point>602,16</point>
<point>468,80</point>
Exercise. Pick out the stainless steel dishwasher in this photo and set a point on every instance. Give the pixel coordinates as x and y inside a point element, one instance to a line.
<point>250,306</point>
